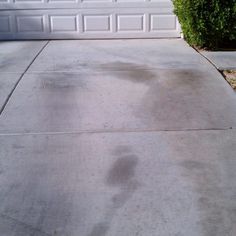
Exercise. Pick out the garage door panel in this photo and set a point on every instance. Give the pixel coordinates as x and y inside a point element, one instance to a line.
<point>84,22</point>
<point>162,22</point>
<point>130,22</point>
<point>67,4</point>
<point>30,24</point>
<point>5,24</point>
<point>96,22</point>
<point>63,23</point>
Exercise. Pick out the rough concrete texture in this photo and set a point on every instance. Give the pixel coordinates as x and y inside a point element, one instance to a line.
<point>166,183</point>
<point>7,83</point>
<point>121,101</point>
<point>116,55</point>
<point>16,56</point>
<point>82,152</point>
<point>222,60</point>
<point>160,85</point>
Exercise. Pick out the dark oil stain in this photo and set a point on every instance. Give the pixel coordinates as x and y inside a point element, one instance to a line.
<point>119,199</point>
<point>122,149</point>
<point>193,165</point>
<point>211,202</point>
<point>121,66</point>
<point>99,229</point>
<point>173,97</point>
<point>62,81</point>
<point>133,72</point>
<point>185,78</point>
<point>122,176</point>
<point>17,146</point>
<point>123,170</point>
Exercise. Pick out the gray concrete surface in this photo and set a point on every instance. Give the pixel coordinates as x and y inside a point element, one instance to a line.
<point>120,85</point>
<point>116,184</point>
<point>223,60</point>
<point>16,56</point>
<point>113,55</point>
<point>7,83</point>
<point>86,147</point>
<point>128,100</point>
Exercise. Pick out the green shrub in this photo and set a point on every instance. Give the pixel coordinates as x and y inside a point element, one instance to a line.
<point>207,23</point>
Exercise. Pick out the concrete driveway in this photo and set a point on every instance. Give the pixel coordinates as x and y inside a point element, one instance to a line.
<point>115,138</point>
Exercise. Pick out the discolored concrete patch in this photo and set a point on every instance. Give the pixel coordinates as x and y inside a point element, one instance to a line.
<point>103,55</point>
<point>165,183</point>
<point>121,175</point>
<point>135,99</point>
<point>119,85</point>
<point>122,171</point>
<point>98,164</point>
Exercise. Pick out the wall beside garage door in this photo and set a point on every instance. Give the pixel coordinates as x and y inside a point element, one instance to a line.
<point>74,19</point>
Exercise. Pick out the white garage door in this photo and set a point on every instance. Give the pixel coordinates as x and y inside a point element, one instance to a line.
<point>68,19</point>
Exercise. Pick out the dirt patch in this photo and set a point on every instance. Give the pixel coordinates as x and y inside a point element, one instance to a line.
<point>230,76</point>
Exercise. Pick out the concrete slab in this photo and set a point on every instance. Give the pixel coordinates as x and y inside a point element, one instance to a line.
<point>15,56</point>
<point>7,83</point>
<point>135,99</point>
<point>100,55</point>
<point>165,183</point>
<point>222,60</point>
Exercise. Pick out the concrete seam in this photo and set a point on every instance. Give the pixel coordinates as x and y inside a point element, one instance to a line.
<point>220,70</point>
<point>205,57</point>
<point>116,131</point>
<point>22,75</point>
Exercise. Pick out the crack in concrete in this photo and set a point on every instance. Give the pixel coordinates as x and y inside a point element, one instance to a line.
<point>21,77</point>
